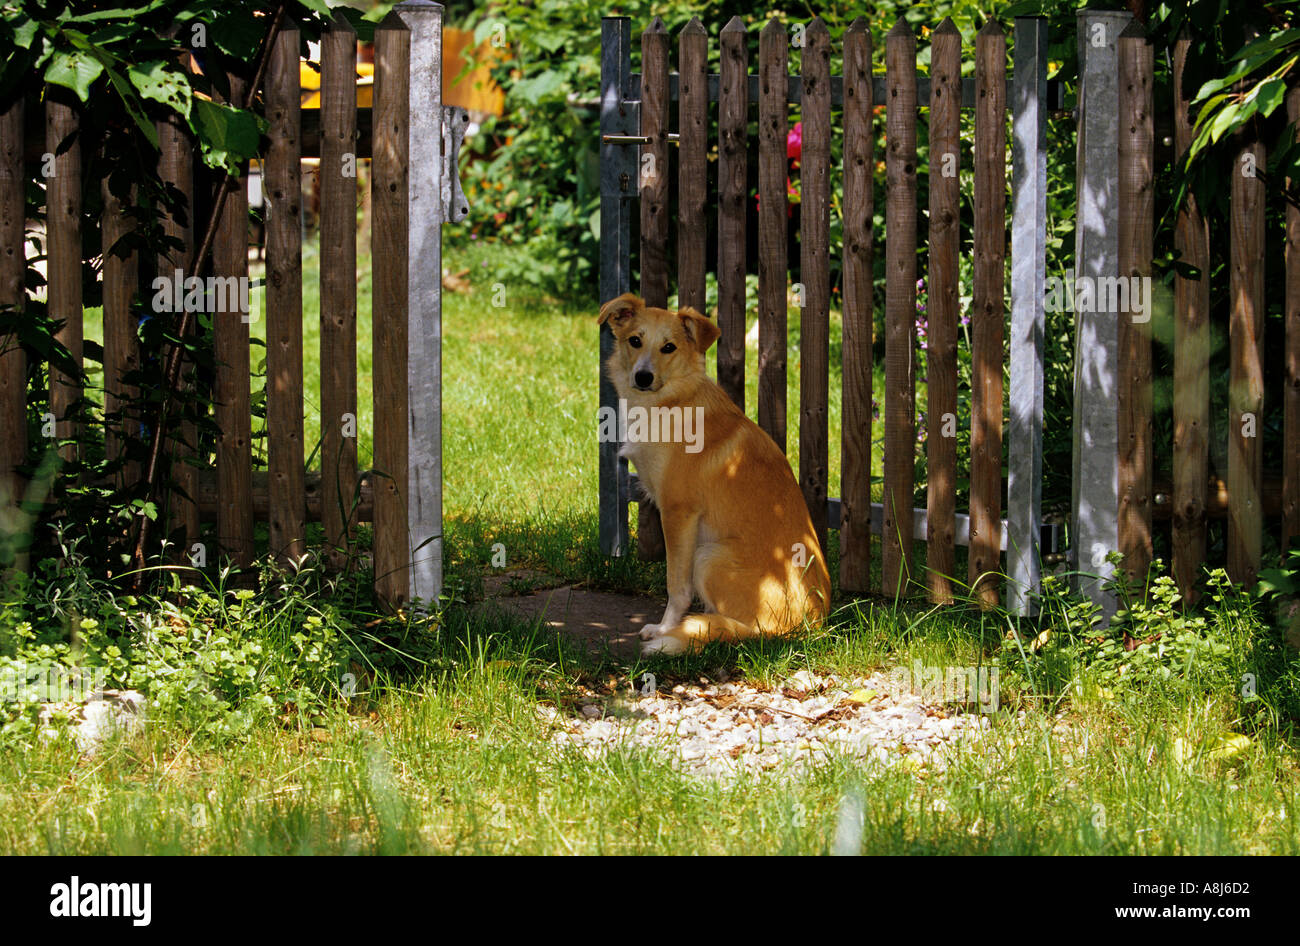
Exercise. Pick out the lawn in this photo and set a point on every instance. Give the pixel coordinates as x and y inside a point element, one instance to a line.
<point>436,744</point>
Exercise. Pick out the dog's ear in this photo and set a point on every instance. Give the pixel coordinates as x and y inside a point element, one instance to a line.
<point>618,311</point>
<point>699,329</point>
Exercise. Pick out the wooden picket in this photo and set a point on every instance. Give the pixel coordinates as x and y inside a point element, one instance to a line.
<point>1136,233</point>
<point>900,307</point>
<point>1291,423</point>
<point>283,188</point>
<point>13,361</point>
<point>176,169</point>
<point>733,191</point>
<point>814,274</point>
<point>855,435</point>
<point>1191,362</point>
<point>987,312</point>
<point>1246,373</point>
<point>389,247</point>
<point>773,209</point>
<point>941,307</point>
<point>338,285</point>
<point>63,232</point>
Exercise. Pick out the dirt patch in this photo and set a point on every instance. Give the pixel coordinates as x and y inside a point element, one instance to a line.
<point>597,620</point>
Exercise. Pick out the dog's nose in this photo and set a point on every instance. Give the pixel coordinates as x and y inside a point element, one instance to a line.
<point>644,379</point>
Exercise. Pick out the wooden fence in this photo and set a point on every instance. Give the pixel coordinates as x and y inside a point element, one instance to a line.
<point>220,495</point>
<point>1116,497</point>
<point>636,111</point>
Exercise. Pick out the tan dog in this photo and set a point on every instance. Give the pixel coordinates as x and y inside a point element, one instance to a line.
<point>736,528</point>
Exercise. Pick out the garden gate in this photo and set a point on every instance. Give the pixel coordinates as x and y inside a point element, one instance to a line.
<point>635,110</point>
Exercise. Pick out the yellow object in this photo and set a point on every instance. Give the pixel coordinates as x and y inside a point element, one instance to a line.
<point>475,91</point>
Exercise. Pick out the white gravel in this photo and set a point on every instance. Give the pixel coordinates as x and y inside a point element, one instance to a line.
<point>722,729</point>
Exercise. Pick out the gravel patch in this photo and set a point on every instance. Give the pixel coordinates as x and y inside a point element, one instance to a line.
<point>723,729</point>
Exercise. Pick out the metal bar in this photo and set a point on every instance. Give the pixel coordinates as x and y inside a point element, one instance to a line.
<point>424,296</point>
<point>1028,274</point>
<point>618,186</point>
<point>1095,483</point>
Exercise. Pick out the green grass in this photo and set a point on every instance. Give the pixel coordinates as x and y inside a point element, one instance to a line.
<point>444,752</point>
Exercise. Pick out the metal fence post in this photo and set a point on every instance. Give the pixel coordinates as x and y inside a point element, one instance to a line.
<point>1028,275</point>
<point>424,294</point>
<point>618,186</point>
<point>1095,480</point>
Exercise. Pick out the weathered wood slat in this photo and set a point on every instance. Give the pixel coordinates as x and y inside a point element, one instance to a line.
<point>13,362</point>
<point>988,312</point>
<point>1136,247</point>
<point>285,455</point>
<point>63,235</point>
<point>1191,361</point>
<point>859,234</point>
<point>1246,373</point>
<point>338,286</point>
<point>773,215</point>
<point>900,307</point>
<point>231,387</point>
<point>941,308</point>
<point>176,168</point>
<point>814,267</point>
<point>654,224</point>
<point>733,163</point>
<point>693,167</point>
<point>121,349</point>
<point>1291,397</point>
<point>389,239</point>
<point>654,165</point>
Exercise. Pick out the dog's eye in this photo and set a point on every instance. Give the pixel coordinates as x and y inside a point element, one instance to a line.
<point>668,349</point>
<point>635,341</point>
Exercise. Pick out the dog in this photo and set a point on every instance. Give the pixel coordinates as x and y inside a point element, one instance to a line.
<point>736,528</point>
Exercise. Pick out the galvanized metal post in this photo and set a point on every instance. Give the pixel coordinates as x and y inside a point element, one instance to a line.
<point>1095,490</point>
<point>424,294</point>
<point>1028,275</point>
<point>618,187</point>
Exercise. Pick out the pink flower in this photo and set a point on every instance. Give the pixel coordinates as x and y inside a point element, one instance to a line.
<point>794,142</point>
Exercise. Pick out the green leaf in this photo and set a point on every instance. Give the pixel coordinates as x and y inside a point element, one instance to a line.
<point>1224,121</point>
<point>25,32</point>
<point>75,70</point>
<point>1270,95</point>
<point>228,136</point>
<point>159,84</point>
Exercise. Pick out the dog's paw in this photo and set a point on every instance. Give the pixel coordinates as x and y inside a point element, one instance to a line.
<point>663,644</point>
<point>651,631</point>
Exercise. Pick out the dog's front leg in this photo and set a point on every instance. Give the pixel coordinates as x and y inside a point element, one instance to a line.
<point>681,533</point>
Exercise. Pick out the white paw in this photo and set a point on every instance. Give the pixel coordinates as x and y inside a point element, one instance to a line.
<point>662,645</point>
<point>651,631</point>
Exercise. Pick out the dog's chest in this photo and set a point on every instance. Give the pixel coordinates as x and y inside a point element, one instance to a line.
<point>650,461</point>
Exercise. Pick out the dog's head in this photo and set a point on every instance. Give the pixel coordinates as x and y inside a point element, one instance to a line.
<point>655,348</point>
